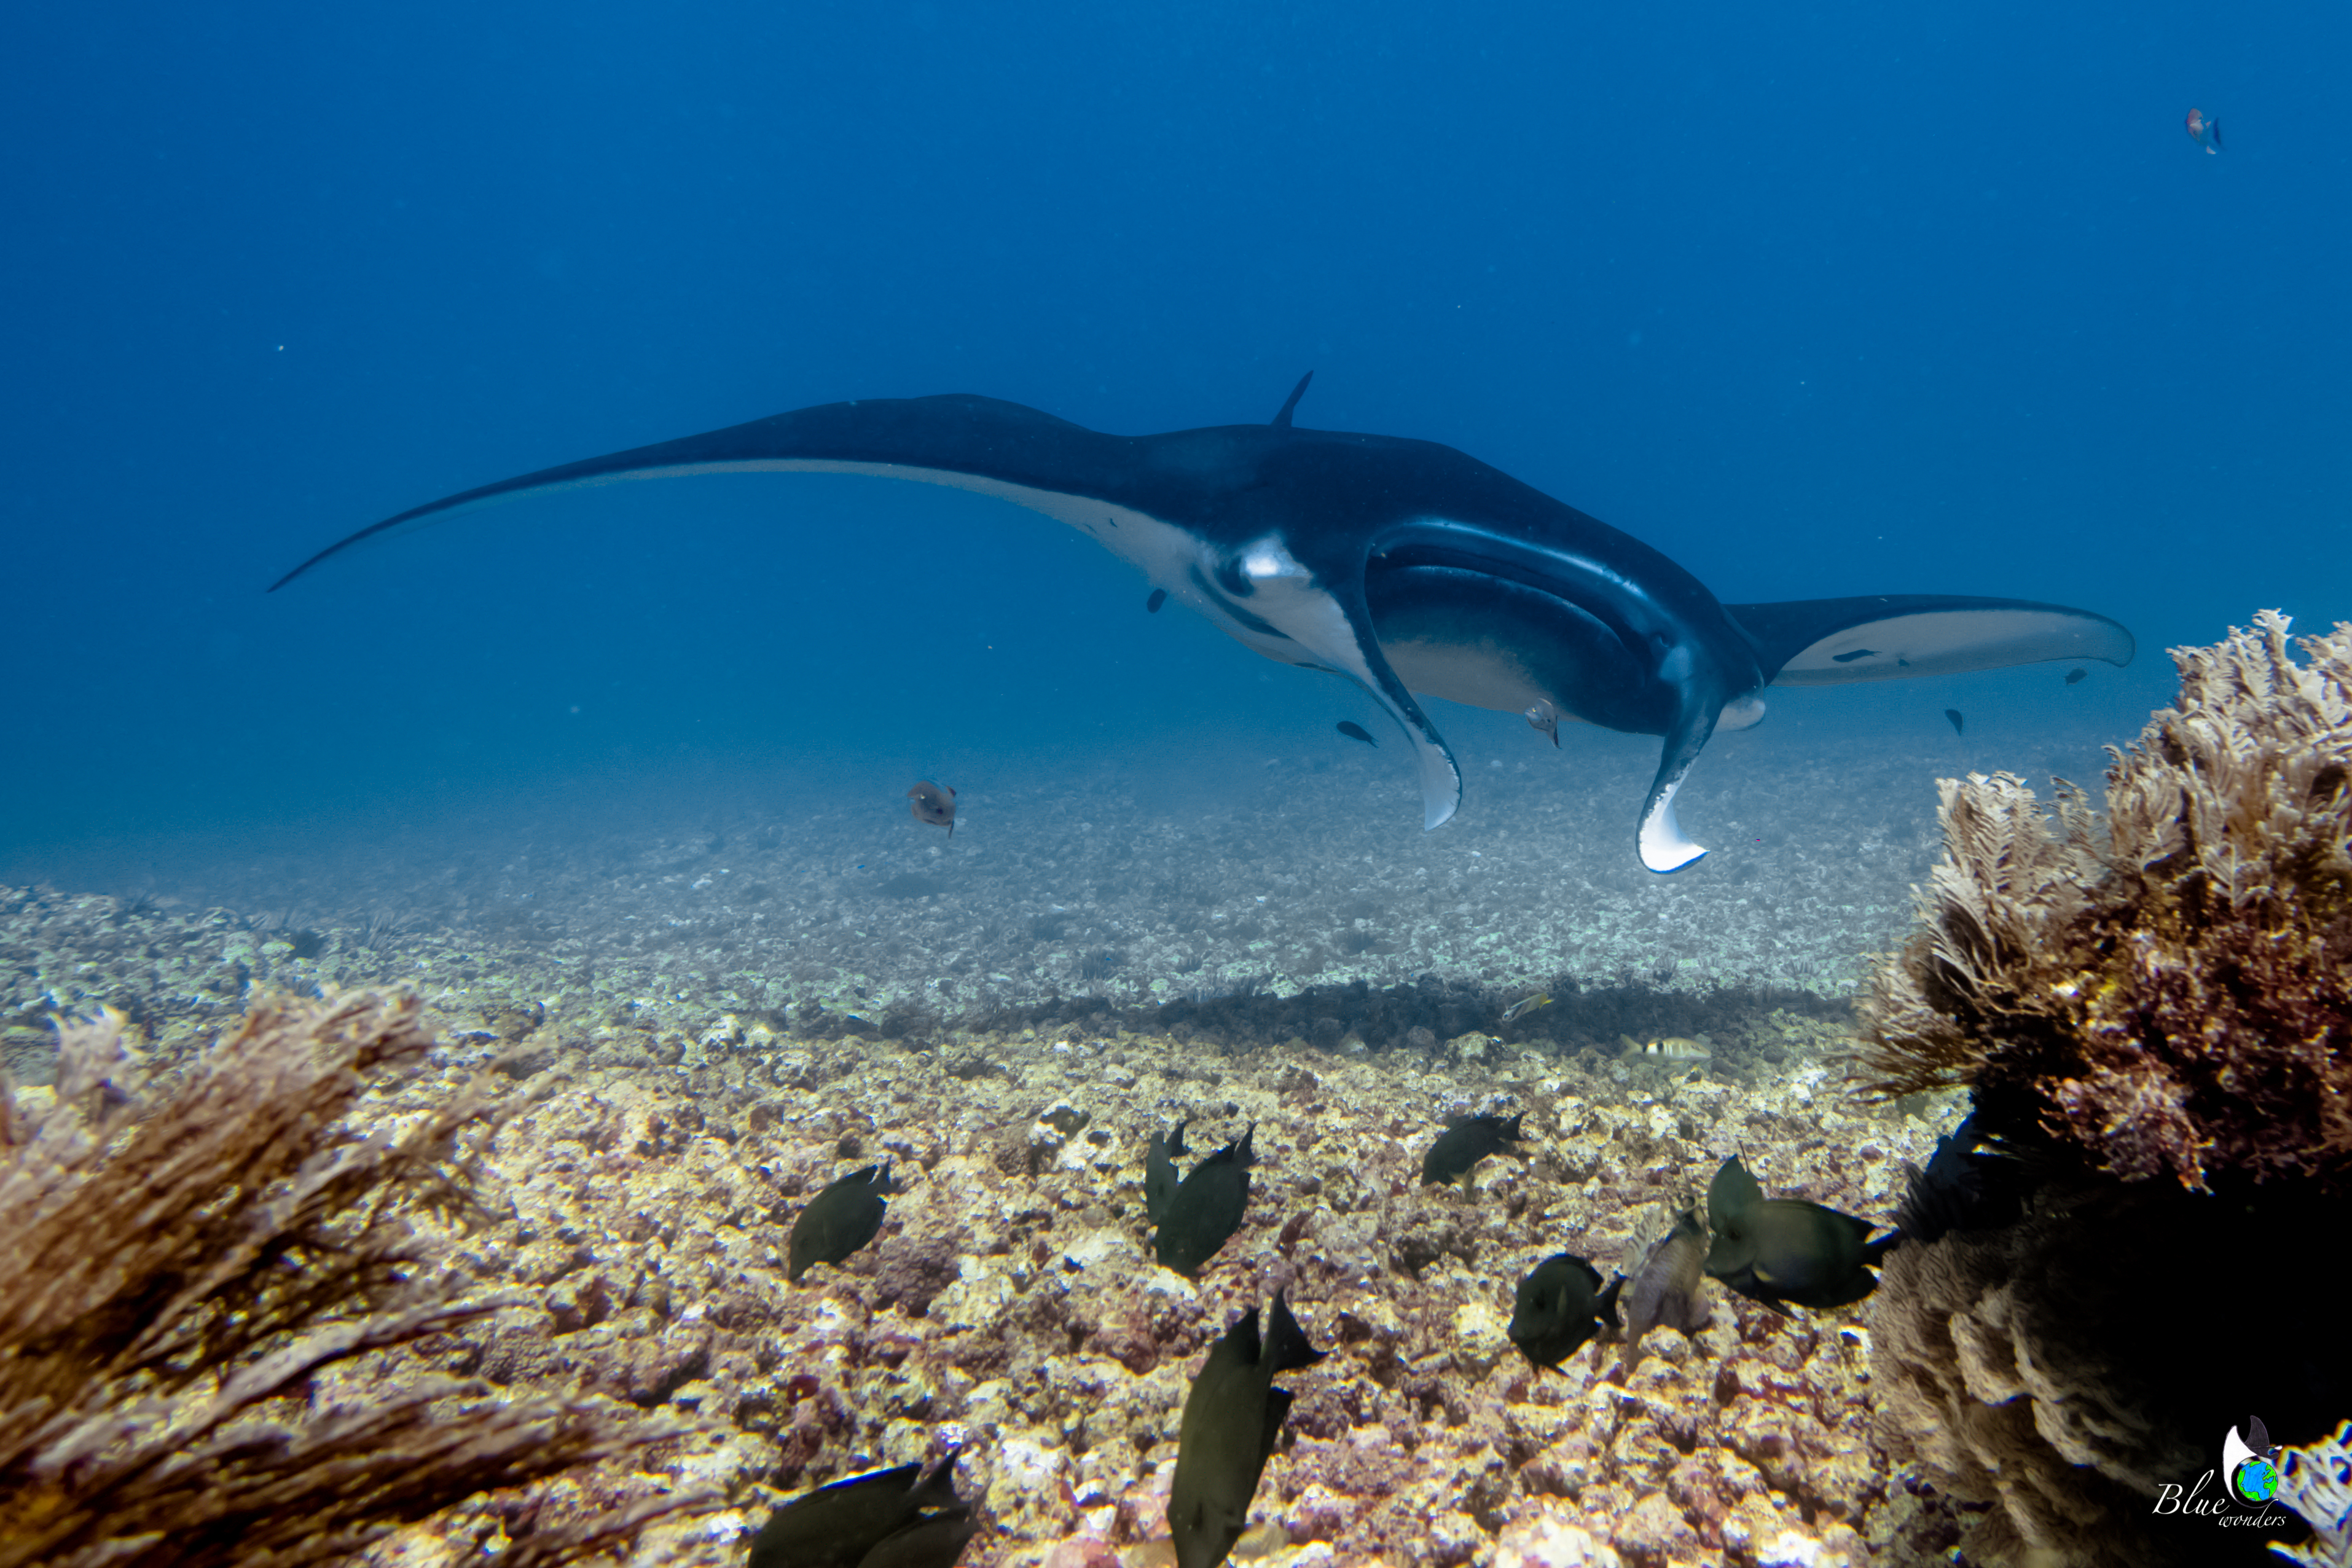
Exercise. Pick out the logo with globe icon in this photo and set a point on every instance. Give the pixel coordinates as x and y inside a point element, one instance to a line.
<point>2248,1464</point>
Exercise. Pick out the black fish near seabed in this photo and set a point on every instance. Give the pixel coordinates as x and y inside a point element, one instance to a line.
<point>936,1540</point>
<point>1963,1188</point>
<point>897,1518</point>
<point>1232,1417</point>
<point>1466,1141</point>
<point>1410,568</point>
<point>1205,1209</point>
<point>1355,732</point>
<point>839,1220</point>
<point>2078,673</point>
<point>1158,597</point>
<point>1783,1250</point>
<point>934,804</point>
<point>1959,721</point>
<point>1561,1303</point>
<point>1667,1292</point>
<point>1160,1179</point>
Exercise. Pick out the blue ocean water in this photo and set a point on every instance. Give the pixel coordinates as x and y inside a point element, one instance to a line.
<point>1819,300</point>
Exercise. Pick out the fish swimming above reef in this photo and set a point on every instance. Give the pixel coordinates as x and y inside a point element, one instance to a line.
<point>1232,1417</point>
<point>1355,732</point>
<point>2205,129</point>
<point>1786,1250</point>
<point>1561,1303</point>
<point>1408,567</point>
<point>1544,719</point>
<point>1525,1006</point>
<point>1159,1180</point>
<point>1466,1141</point>
<point>839,1220</point>
<point>1667,1290</point>
<point>1158,597</point>
<point>1673,1050</point>
<point>934,804</point>
<point>898,1518</point>
<point>1958,719</point>
<point>2078,673</point>
<point>1206,1208</point>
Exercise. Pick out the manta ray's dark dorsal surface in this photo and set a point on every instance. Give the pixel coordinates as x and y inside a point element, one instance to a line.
<point>1404,565</point>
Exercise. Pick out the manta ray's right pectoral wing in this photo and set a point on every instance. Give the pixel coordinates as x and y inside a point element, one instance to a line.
<point>1887,637</point>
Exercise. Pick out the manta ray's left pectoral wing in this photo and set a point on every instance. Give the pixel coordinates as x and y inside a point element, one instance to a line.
<point>981,444</point>
<point>1142,498</point>
<point>1886,637</point>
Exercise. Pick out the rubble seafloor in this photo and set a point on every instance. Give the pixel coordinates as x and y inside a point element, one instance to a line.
<point>1010,1310</point>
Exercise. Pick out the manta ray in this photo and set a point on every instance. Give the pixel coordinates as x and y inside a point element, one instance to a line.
<point>1406,566</point>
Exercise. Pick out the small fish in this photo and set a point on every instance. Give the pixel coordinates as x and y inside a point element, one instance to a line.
<point>1545,718</point>
<point>839,1220</point>
<point>1525,1006</point>
<point>1780,1250</point>
<point>1355,732</point>
<point>1158,597</point>
<point>1959,724</point>
<point>2205,129</point>
<point>2078,673</point>
<point>934,804</point>
<point>1561,1304</point>
<point>1466,1141</point>
<point>1205,1209</point>
<point>1232,1417</point>
<point>1159,1172</point>
<point>845,1524</point>
<point>1667,1289</point>
<point>1963,1188</point>
<point>1668,1048</point>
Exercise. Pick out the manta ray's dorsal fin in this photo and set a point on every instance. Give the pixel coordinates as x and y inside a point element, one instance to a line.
<point>1290,404</point>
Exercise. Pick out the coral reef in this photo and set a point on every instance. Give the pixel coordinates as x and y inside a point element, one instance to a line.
<point>188,1267</point>
<point>2153,1012</point>
<point>1998,1377</point>
<point>2164,991</point>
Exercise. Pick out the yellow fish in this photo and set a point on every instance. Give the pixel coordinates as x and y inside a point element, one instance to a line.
<point>1524,1005</point>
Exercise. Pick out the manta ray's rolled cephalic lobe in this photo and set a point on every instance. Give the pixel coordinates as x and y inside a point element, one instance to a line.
<point>1404,565</point>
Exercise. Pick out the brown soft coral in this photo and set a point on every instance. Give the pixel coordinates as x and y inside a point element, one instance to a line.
<point>180,1268</point>
<point>2168,989</point>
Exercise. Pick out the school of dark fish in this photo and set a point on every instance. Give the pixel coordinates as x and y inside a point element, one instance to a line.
<point>1782,1252</point>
